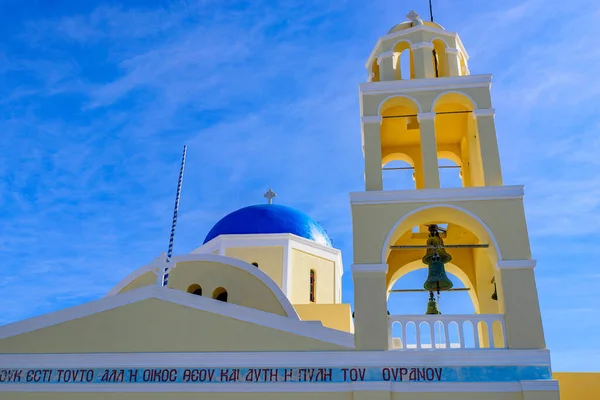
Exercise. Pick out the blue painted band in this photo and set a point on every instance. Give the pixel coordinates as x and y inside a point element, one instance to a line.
<point>272,375</point>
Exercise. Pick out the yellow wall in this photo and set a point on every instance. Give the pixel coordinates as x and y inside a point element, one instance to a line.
<point>154,325</point>
<point>578,386</point>
<point>335,316</point>
<point>242,288</point>
<point>302,263</point>
<point>269,259</point>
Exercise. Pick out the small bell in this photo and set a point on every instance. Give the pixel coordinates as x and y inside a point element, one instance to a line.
<point>432,308</point>
<point>495,294</point>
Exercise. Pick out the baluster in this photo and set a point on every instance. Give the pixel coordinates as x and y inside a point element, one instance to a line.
<point>432,334</point>
<point>418,330</point>
<point>404,340</point>
<point>446,326</point>
<point>475,325</point>
<point>490,328</point>
<point>504,339</point>
<point>461,334</point>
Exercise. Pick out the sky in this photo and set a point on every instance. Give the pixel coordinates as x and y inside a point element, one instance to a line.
<point>97,99</point>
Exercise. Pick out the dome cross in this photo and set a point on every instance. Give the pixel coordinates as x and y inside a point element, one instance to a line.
<point>270,195</point>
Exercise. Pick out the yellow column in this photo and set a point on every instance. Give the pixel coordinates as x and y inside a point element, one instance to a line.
<point>518,300</point>
<point>423,59</point>
<point>453,62</point>
<point>371,132</point>
<point>386,66</point>
<point>429,160</point>
<point>490,157</point>
<point>370,306</point>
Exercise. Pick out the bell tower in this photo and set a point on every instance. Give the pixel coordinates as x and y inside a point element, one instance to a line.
<point>421,104</point>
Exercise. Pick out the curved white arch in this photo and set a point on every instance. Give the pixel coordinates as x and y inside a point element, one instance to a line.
<point>475,106</point>
<point>402,40</point>
<point>234,262</point>
<point>439,38</point>
<point>387,244</point>
<point>398,95</point>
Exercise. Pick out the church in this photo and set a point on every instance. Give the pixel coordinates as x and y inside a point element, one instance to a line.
<point>260,305</point>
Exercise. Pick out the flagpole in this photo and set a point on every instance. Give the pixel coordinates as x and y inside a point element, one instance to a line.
<point>164,278</point>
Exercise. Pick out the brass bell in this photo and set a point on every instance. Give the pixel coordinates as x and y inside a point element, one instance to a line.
<point>495,294</point>
<point>437,280</point>
<point>435,258</point>
<point>432,308</point>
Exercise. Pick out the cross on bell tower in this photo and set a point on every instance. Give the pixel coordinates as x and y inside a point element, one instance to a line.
<point>270,195</point>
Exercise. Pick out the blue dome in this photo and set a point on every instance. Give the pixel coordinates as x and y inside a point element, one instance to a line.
<point>269,218</point>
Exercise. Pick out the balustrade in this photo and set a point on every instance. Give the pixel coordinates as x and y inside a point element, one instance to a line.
<point>446,332</point>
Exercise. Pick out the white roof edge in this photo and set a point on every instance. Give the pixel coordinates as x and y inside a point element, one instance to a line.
<point>257,317</point>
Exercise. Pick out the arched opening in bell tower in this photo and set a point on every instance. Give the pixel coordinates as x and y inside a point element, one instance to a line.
<point>398,172</point>
<point>440,58</point>
<point>401,138</point>
<point>471,270</point>
<point>457,136</point>
<point>403,61</point>
<point>450,169</point>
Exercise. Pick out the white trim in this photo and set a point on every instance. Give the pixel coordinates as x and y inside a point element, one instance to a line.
<point>395,387</point>
<point>516,264</point>
<point>360,268</point>
<point>450,50</point>
<point>436,195</point>
<point>406,32</point>
<point>475,106</point>
<point>440,38</point>
<point>549,385</point>
<point>418,85</point>
<point>382,102</point>
<point>290,324</point>
<point>429,116</point>
<point>286,273</point>
<point>387,243</point>
<point>485,112</point>
<point>385,54</point>
<point>449,358</point>
<point>375,119</point>
<point>151,267</point>
<point>246,267</point>
<point>422,45</point>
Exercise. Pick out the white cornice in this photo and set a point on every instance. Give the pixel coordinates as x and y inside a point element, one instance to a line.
<point>516,264</point>
<point>359,268</point>
<point>421,45</point>
<point>374,119</point>
<point>430,116</point>
<point>437,195</point>
<point>391,358</point>
<point>484,112</point>
<point>416,85</point>
<point>287,324</point>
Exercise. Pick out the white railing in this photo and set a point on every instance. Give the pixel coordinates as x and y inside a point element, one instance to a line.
<point>478,331</point>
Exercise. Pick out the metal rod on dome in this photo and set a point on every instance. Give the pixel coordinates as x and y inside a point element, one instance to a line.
<point>165,272</point>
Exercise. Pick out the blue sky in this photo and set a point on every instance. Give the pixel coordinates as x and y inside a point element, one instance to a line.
<point>98,98</point>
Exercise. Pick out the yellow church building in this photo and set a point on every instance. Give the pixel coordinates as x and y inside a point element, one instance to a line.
<point>256,311</point>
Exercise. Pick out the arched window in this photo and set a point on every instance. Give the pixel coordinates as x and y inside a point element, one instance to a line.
<point>313,285</point>
<point>195,289</point>
<point>255,264</point>
<point>220,294</point>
